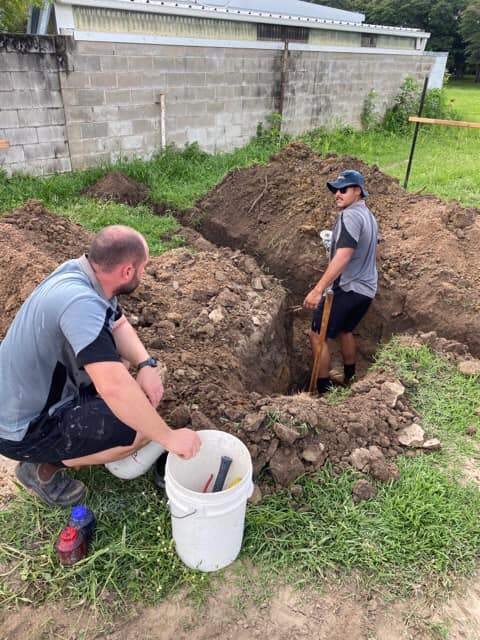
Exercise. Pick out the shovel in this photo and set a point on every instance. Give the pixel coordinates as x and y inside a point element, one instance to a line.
<point>327,306</point>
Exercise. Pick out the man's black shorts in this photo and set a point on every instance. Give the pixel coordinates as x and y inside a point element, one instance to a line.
<point>79,428</point>
<point>348,308</point>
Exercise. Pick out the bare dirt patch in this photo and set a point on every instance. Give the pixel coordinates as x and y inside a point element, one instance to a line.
<point>338,611</point>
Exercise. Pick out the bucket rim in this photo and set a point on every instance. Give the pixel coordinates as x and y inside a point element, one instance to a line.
<point>219,496</point>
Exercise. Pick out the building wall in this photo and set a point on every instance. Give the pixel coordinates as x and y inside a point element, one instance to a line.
<point>213,96</point>
<point>32,117</point>
<point>105,97</point>
<point>328,89</point>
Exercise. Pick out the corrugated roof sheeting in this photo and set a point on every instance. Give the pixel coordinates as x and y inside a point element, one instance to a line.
<point>285,7</point>
<point>119,21</point>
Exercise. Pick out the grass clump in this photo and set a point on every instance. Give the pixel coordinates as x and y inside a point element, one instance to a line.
<point>445,398</point>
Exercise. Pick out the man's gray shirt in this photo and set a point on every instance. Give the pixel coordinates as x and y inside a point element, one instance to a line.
<point>65,324</point>
<point>356,228</point>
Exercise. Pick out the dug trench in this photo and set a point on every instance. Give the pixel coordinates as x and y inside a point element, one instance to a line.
<point>217,313</point>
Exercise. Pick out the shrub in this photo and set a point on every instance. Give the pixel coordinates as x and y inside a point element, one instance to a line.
<point>407,103</point>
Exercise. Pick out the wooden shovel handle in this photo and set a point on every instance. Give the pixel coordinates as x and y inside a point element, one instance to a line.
<point>327,307</point>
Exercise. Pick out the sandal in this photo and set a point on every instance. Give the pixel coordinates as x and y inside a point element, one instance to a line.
<point>59,491</point>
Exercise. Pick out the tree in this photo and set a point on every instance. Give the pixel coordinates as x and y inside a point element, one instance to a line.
<point>14,14</point>
<point>470,32</point>
<point>440,18</point>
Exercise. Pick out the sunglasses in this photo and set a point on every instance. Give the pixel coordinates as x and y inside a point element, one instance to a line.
<point>342,190</point>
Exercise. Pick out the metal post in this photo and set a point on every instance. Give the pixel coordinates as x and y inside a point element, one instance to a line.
<point>417,126</point>
<point>283,78</point>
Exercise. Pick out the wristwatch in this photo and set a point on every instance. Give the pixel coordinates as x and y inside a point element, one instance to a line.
<point>149,362</point>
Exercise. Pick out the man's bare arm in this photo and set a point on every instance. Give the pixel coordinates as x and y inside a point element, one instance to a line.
<point>336,266</point>
<point>126,400</point>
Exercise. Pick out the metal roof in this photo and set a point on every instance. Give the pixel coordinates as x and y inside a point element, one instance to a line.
<point>227,10</point>
<point>283,7</point>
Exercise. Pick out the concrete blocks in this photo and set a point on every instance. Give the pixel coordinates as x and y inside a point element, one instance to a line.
<point>51,134</point>
<point>108,103</point>
<point>94,129</point>
<point>90,97</point>
<point>9,118</point>
<point>117,97</point>
<point>25,135</point>
<point>112,63</point>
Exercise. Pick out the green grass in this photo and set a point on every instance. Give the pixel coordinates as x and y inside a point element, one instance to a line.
<point>445,161</point>
<point>417,531</point>
<point>446,398</point>
<point>177,177</point>
<point>420,532</point>
<point>465,95</point>
<point>131,558</point>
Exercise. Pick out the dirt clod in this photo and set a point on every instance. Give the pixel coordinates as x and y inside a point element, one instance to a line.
<point>363,490</point>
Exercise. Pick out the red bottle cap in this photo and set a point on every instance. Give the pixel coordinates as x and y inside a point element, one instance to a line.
<point>68,534</point>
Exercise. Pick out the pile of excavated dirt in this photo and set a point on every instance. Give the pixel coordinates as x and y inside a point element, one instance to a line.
<point>429,273</point>
<point>219,326</point>
<point>118,187</point>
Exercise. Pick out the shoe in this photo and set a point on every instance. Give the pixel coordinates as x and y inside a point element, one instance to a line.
<point>159,471</point>
<point>324,385</point>
<point>59,491</point>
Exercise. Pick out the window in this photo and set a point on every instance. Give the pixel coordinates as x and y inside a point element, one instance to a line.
<point>280,32</point>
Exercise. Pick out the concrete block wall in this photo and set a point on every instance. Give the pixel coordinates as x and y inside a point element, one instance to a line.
<point>329,88</point>
<point>32,118</point>
<point>213,96</point>
<point>71,104</point>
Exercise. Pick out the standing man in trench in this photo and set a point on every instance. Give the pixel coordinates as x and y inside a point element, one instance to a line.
<point>66,398</point>
<point>351,272</point>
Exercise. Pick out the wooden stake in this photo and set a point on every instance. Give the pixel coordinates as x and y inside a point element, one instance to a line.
<point>327,306</point>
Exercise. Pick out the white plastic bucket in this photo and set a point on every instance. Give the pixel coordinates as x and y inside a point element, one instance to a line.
<point>138,463</point>
<point>208,527</point>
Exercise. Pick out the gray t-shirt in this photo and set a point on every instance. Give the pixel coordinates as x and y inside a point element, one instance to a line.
<point>356,228</point>
<point>63,325</point>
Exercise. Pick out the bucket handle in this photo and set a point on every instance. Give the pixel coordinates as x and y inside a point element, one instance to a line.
<point>187,515</point>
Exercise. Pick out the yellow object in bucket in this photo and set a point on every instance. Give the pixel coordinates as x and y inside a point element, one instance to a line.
<point>232,484</point>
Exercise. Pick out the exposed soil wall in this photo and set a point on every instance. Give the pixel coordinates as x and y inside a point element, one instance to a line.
<point>429,268</point>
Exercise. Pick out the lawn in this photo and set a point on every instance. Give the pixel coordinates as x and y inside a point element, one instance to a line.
<point>465,97</point>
